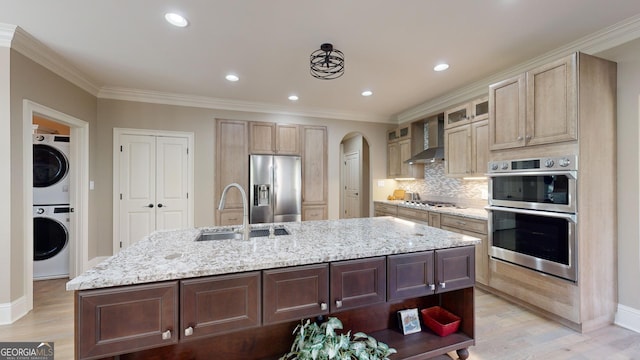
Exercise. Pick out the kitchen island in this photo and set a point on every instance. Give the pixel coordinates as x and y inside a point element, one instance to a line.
<point>170,296</point>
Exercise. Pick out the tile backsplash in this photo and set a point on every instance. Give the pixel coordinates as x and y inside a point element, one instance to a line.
<point>438,187</point>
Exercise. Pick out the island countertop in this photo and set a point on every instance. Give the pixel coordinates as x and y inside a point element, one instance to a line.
<point>175,254</point>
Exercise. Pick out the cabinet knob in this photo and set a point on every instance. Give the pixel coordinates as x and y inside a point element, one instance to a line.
<point>188,331</point>
<point>160,205</point>
<point>443,285</point>
<point>519,138</point>
<point>432,287</point>
<point>323,306</point>
<point>338,304</point>
<point>166,335</point>
<point>150,205</point>
<point>528,137</point>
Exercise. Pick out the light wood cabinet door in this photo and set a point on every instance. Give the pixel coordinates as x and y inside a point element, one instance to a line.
<point>479,147</point>
<point>287,139</point>
<point>219,304</point>
<point>314,212</point>
<point>480,109</point>
<point>404,154</point>
<point>457,145</point>
<point>230,217</point>
<point>262,136</point>
<point>456,116</point>
<point>314,165</point>
<point>232,153</point>
<point>507,113</point>
<point>552,102</point>
<point>126,319</point>
<point>393,157</point>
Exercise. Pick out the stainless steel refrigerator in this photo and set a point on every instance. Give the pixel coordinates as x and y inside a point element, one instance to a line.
<point>275,188</point>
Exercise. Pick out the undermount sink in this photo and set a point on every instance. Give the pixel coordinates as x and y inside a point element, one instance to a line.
<point>232,235</point>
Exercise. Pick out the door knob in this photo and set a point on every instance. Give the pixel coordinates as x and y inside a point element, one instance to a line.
<point>160,205</point>
<point>150,205</point>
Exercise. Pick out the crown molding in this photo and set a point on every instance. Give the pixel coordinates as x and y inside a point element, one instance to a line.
<point>6,34</point>
<point>604,39</point>
<point>157,97</point>
<point>30,47</point>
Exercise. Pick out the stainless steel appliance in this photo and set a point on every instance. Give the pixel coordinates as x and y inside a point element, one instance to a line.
<point>275,188</point>
<point>532,214</point>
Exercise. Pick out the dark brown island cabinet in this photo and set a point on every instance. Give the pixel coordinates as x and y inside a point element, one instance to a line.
<point>252,315</point>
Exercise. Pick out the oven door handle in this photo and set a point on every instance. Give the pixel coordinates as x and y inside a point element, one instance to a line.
<point>570,174</point>
<point>570,217</point>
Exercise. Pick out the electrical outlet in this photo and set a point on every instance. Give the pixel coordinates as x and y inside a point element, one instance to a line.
<point>380,183</point>
<point>484,194</point>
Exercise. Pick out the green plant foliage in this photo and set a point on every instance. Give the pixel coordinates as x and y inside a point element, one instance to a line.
<point>321,342</point>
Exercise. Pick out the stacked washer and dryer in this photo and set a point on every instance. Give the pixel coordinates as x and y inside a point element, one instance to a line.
<point>51,208</point>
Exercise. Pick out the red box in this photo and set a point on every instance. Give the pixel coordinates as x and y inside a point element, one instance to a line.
<point>440,320</point>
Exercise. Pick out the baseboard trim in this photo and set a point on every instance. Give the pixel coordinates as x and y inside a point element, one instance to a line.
<point>10,312</point>
<point>628,317</point>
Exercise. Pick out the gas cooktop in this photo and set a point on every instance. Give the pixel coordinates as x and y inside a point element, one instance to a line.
<point>429,203</point>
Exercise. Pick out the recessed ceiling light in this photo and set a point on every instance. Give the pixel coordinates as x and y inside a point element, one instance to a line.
<point>232,77</point>
<point>367,93</point>
<point>176,19</point>
<point>293,97</point>
<point>441,67</point>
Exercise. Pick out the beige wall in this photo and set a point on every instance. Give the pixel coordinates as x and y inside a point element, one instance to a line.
<point>5,179</point>
<point>126,114</point>
<point>628,58</point>
<point>33,82</point>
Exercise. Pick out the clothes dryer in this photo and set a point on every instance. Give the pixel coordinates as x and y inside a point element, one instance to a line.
<point>50,169</point>
<point>50,242</point>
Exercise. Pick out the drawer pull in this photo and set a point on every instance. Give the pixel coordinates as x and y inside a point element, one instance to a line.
<point>443,285</point>
<point>432,287</point>
<point>323,306</point>
<point>338,304</point>
<point>188,331</point>
<point>166,335</point>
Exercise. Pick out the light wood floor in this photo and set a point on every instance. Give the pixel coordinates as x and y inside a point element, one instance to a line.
<point>504,331</point>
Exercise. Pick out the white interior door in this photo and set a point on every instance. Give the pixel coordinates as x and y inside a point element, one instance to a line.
<point>137,187</point>
<point>172,189</point>
<point>352,185</point>
<point>154,182</point>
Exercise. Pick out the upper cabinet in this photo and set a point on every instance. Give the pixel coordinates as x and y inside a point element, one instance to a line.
<point>535,108</point>
<point>402,143</point>
<point>272,138</point>
<point>466,139</point>
<point>475,110</point>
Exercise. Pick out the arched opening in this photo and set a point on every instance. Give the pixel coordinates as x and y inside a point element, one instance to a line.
<point>355,178</point>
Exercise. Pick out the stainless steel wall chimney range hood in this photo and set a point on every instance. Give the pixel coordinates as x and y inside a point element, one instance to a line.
<point>434,141</point>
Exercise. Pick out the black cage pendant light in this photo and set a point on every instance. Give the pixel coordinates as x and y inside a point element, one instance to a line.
<point>327,63</point>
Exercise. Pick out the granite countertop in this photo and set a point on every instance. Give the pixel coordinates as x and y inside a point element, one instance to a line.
<point>174,254</point>
<point>468,212</point>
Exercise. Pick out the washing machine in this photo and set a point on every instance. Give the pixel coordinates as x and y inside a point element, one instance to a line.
<point>50,169</point>
<point>50,241</point>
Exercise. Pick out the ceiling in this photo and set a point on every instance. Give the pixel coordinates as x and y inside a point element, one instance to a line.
<point>390,47</point>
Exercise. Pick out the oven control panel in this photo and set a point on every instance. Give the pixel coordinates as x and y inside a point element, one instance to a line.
<point>568,162</point>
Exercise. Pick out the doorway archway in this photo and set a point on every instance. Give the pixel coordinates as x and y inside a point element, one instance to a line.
<point>355,178</point>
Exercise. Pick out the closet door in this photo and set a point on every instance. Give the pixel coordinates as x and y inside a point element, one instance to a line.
<point>153,184</point>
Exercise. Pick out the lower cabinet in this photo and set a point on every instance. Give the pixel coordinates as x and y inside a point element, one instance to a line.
<point>219,304</point>
<point>125,319</point>
<point>295,293</point>
<point>252,315</point>
<point>475,228</point>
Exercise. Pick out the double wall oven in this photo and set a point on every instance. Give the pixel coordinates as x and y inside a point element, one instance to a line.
<point>532,214</point>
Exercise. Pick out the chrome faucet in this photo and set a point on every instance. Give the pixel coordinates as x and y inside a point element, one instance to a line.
<point>245,213</point>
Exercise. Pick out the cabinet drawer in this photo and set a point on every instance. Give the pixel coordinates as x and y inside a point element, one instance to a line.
<point>295,293</point>
<point>219,304</point>
<point>230,217</point>
<point>410,275</point>
<point>122,320</point>
<point>387,209</point>
<point>462,223</point>
<point>314,213</point>
<point>356,283</point>
<point>413,214</point>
